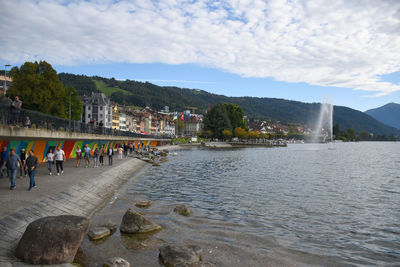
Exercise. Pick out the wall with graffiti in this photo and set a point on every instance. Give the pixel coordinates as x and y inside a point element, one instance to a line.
<point>41,147</point>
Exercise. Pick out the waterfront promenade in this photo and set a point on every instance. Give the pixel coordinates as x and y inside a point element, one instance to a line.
<point>79,191</point>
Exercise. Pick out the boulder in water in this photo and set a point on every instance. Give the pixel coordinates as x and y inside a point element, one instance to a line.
<point>143,203</point>
<point>173,255</point>
<point>116,262</point>
<point>135,223</point>
<point>99,232</point>
<point>182,210</point>
<point>52,240</point>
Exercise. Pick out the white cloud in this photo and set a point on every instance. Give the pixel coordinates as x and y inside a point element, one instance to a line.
<point>327,43</point>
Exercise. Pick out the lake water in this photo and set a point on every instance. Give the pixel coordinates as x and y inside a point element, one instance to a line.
<point>335,204</point>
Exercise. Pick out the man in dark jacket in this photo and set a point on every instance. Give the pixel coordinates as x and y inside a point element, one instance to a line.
<point>12,167</point>
<point>110,153</point>
<point>31,165</point>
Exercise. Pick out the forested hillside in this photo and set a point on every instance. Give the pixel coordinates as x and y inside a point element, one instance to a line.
<point>143,94</point>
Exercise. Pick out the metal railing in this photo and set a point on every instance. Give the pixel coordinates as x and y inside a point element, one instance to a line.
<point>33,119</point>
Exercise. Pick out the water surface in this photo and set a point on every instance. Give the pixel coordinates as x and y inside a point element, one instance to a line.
<point>322,204</point>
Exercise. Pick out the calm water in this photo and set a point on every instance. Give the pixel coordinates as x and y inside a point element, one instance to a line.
<point>332,204</point>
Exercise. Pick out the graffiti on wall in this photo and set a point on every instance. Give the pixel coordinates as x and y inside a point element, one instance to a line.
<point>41,147</point>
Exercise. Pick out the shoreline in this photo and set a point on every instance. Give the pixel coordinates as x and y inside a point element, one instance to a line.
<point>85,198</point>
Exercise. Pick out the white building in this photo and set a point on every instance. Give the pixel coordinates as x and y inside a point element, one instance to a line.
<point>97,109</point>
<point>122,122</point>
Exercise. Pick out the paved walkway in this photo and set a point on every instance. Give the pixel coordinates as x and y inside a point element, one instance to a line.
<point>79,191</point>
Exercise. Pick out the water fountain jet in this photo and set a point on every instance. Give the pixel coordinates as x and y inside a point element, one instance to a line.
<point>323,130</point>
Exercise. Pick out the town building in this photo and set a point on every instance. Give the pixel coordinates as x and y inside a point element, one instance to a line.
<point>97,108</point>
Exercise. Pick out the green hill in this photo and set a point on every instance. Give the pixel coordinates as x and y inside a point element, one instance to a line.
<point>143,94</point>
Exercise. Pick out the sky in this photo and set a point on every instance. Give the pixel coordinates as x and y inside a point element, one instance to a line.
<point>294,49</point>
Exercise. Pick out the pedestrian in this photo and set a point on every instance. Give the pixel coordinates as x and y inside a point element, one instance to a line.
<point>126,150</point>
<point>31,165</point>
<point>110,154</point>
<point>130,148</point>
<point>60,158</point>
<point>12,167</point>
<point>3,158</point>
<point>78,156</point>
<point>16,109</point>
<point>96,155</point>
<point>120,151</point>
<point>22,157</point>
<point>86,150</point>
<point>50,161</point>
<point>101,156</point>
<point>27,123</point>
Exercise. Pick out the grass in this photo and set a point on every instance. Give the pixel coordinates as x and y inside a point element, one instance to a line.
<point>108,90</point>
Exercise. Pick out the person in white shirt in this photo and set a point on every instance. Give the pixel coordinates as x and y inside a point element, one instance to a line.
<point>110,154</point>
<point>60,158</point>
<point>50,161</point>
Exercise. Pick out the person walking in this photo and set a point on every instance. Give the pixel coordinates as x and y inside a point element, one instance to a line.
<point>3,158</point>
<point>110,154</point>
<point>101,156</point>
<point>120,151</point>
<point>22,157</point>
<point>12,167</point>
<point>50,161</point>
<point>96,155</point>
<point>86,150</point>
<point>78,156</point>
<point>60,158</point>
<point>31,165</point>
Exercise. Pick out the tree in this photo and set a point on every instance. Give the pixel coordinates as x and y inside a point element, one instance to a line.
<point>217,120</point>
<point>39,88</point>
<point>253,135</point>
<point>240,133</point>
<point>227,134</point>
<point>235,114</point>
<point>350,134</point>
<point>364,135</point>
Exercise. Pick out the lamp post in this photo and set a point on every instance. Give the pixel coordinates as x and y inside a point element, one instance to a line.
<point>69,111</point>
<point>5,79</point>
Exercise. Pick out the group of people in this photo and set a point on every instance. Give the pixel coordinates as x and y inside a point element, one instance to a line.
<point>27,165</point>
<point>98,156</point>
<point>12,162</point>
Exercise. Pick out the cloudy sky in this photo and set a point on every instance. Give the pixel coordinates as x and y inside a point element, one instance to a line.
<point>300,50</point>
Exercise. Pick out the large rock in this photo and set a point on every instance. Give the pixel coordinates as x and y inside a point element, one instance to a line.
<point>143,203</point>
<point>182,210</point>
<point>135,223</point>
<point>116,262</point>
<point>99,232</point>
<point>52,240</point>
<point>173,255</point>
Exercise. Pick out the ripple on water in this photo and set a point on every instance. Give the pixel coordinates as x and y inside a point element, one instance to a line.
<point>305,204</point>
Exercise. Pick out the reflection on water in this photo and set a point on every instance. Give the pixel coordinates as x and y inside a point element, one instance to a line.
<point>304,204</point>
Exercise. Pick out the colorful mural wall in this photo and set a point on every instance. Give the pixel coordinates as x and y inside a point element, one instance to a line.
<point>41,147</point>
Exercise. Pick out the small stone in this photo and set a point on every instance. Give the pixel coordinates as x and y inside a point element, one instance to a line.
<point>182,210</point>
<point>97,233</point>
<point>135,223</point>
<point>52,240</point>
<point>173,255</point>
<point>143,203</point>
<point>116,262</point>
<point>111,226</point>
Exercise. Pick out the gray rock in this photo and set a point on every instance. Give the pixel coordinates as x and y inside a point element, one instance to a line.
<point>116,262</point>
<point>111,226</point>
<point>173,255</point>
<point>182,210</point>
<point>135,223</point>
<point>143,203</point>
<point>99,232</point>
<point>52,240</point>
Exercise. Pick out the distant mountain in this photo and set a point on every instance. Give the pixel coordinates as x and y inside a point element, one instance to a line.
<point>388,114</point>
<point>141,94</point>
